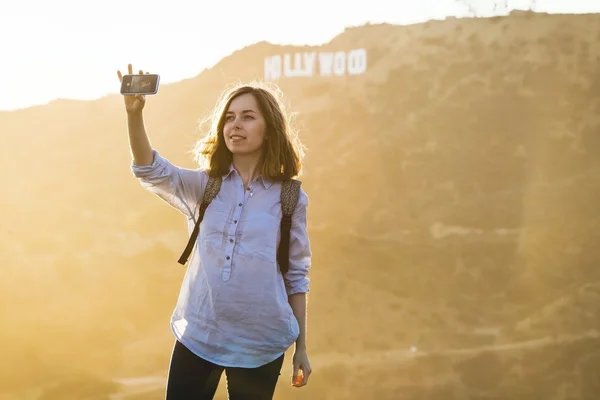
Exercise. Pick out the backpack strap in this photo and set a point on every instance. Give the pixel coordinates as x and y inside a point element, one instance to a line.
<point>290,192</point>
<point>210,192</point>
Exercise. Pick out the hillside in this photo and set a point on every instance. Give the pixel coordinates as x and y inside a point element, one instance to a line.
<point>453,189</point>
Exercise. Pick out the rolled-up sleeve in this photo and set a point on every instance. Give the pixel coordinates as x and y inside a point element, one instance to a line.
<point>179,187</point>
<point>296,279</point>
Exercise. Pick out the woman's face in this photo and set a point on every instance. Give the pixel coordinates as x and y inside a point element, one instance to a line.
<point>244,129</point>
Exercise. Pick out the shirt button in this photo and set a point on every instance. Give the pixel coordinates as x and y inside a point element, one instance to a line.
<point>240,204</point>
<point>230,240</point>
<point>228,257</point>
<point>235,221</point>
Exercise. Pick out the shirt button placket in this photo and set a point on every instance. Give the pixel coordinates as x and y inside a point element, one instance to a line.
<point>226,275</point>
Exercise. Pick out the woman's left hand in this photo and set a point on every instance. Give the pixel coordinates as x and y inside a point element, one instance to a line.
<point>301,368</point>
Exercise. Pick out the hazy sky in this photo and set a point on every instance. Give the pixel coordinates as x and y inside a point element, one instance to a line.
<point>72,48</point>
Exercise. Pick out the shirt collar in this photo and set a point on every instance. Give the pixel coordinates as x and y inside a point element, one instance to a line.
<point>267,183</point>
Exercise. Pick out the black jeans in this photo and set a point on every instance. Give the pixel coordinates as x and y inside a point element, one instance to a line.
<point>193,378</point>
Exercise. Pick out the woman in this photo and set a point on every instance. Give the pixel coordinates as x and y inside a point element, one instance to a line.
<point>236,311</point>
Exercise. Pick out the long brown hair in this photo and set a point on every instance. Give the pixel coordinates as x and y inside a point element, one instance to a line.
<point>282,152</point>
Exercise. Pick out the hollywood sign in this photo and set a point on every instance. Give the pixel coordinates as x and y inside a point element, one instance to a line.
<point>304,64</point>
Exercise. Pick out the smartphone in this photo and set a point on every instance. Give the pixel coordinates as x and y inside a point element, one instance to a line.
<point>139,84</point>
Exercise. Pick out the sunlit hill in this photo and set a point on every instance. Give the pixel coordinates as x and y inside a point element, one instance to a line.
<point>454,191</point>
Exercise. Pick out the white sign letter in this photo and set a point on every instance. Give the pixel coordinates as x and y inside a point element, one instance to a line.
<point>325,63</point>
<point>339,63</point>
<point>272,68</point>
<point>309,63</point>
<point>357,61</point>
<point>296,68</point>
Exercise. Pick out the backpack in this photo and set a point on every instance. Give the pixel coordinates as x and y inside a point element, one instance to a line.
<point>290,192</point>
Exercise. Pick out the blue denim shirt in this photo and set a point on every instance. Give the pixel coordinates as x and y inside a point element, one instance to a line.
<point>233,305</point>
